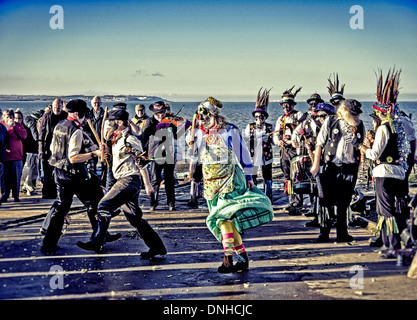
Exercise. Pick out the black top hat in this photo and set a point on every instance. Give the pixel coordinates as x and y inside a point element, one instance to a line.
<point>120,105</point>
<point>77,105</point>
<point>118,114</point>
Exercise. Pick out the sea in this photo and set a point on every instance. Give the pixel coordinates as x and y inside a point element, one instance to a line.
<point>238,113</point>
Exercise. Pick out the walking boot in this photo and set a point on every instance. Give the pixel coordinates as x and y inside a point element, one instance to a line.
<point>113,237</point>
<point>90,246</point>
<point>242,263</point>
<point>49,249</point>
<point>227,265</point>
<point>153,252</point>
<point>193,203</point>
<point>344,238</point>
<point>324,235</point>
<point>342,227</point>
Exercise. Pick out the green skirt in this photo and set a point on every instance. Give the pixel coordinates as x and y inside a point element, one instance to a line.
<point>247,209</point>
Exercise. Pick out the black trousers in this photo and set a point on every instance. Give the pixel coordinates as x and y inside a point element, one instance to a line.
<point>89,192</point>
<point>266,172</point>
<point>156,179</point>
<point>124,195</point>
<point>338,183</point>
<point>49,188</point>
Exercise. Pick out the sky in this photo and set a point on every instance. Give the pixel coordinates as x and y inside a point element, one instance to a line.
<point>189,50</point>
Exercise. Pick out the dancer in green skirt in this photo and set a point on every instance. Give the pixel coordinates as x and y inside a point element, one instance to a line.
<point>235,203</point>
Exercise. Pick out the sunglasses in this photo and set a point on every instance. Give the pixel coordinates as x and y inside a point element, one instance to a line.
<point>260,117</point>
<point>203,111</point>
<point>321,116</point>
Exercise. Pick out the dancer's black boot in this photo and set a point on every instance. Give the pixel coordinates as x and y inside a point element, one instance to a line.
<point>227,265</point>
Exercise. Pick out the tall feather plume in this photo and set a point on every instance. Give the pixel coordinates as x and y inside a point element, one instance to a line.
<point>258,98</point>
<point>334,86</point>
<point>297,91</point>
<point>289,91</point>
<point>396,87</point>
<point>379,85</point>
<point>262,100</point>
<point>388,91</point>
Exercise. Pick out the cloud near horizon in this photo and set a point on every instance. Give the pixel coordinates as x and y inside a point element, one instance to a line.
<point>144,73</point>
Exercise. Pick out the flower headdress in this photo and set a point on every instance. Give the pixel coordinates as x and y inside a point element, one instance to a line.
<point>386,96</point>
<point>211,104</point>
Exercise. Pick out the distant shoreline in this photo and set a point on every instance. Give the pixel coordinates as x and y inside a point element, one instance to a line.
<point>104,98</point>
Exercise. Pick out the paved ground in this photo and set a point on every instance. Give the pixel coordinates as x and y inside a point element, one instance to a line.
<point>285,261</point>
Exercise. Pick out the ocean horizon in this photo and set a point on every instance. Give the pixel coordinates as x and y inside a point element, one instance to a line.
<point>238,113</point>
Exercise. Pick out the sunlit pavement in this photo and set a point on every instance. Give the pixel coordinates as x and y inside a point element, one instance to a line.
<point>285,261</point>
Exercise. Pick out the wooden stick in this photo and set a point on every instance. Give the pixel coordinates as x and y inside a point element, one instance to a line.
<point>93,131</point>
<point>193,129</point>
<point>192,143</point>
<point>276,131</point>
<point>102,131</point>
<point>95,134</point>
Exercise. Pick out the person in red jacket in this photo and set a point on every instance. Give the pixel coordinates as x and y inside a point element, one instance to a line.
<point>13,161</point>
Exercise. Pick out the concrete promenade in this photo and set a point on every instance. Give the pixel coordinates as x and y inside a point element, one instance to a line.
<point>286,263</point>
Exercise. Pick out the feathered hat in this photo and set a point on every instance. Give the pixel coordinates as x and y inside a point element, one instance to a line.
<point>211,104</point>
<point>262,101</point>
<point>387,93</point>
<point>315,97</point>
<point>386,96</point>
<point>288,96</point>
<point>334,90</point>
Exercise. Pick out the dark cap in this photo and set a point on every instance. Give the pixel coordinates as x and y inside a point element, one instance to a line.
<point>354,106</point>
<point>118,115</point>
<point>120,105</point>
<point>139,107</point>
<point>77,105</point>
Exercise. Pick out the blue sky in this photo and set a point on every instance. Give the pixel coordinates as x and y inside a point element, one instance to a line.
<point>188,50</point>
